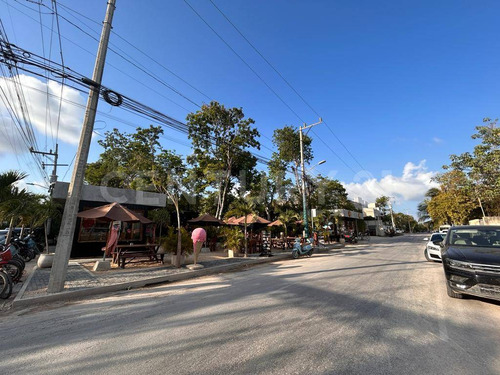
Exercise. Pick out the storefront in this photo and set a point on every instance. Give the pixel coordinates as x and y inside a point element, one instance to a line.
<point>91,234</point>
<point>348,220</point>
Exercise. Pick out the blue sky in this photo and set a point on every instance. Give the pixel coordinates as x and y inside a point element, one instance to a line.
<point>398,82</point>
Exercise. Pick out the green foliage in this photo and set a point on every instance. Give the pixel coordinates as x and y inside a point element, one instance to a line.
<point>382,203</point>
<point>221,138</point>
<point>404,221</point>
<point>242,207</point>
<point>481,167</point>
<point>288,218</point>
<point>169,241</point>
<point>453,204</point>
<point>233,238</point>
<point>287,141</point>
<point>328,194</point>
<point>127,159</point>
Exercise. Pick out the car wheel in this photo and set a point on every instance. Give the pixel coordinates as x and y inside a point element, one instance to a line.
<point>452,293</point>
<point>426,253</point>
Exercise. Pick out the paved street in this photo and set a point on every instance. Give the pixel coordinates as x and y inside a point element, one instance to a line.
<point>379,309</point>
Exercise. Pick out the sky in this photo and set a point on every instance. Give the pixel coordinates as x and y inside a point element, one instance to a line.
<point>400,85</point>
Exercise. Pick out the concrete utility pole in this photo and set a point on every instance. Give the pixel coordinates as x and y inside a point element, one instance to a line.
<point>304,199</point>
<point>392,216</point>
<point>68,222</point>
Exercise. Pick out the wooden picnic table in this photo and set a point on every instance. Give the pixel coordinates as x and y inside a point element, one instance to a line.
<point>134,251</point>
<point>283,243</point>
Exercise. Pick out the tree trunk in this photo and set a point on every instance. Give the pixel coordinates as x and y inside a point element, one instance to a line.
<point>246,240</point>
<point>46,237</point>
<point>11,228</point>
<point>179,237</point>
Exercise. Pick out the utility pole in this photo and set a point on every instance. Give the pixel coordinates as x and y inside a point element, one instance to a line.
<point>68,222</point>
<point>409,221</point>
<point>392,217</point>
<point>53,177</point>
<point>55,154</point>
<point>304,200</point>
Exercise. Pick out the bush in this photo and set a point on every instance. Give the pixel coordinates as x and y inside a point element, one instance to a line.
<point>169,242</point>
<point>233,239</point>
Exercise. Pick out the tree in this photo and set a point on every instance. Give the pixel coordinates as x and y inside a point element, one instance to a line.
<point>453,204</point>
<point>382,203</point>
<point>168,177</point>
<point>482,167</point>
<point>422,208</point>
<point>127,159</point>
<point>221,138</point>
<point>288,217</point>
<point>404,221</point>
<point>242,207</point>
<point>327,194</point>
<point>12,199</point>
<point>287,141</point>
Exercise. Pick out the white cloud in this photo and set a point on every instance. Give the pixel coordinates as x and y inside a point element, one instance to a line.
<point>42,102</point>
<point>437,140</point>
<point>410,186</point>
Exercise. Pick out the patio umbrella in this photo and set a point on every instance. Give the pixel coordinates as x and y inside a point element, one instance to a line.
<point>113,212</point>
<point>252,219</point>
<point>231,221</point>
<point>276,223</point>
<point>206,219</point>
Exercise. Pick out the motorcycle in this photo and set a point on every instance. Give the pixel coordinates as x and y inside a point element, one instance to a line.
<point>350,238</point>
<point>305,249</point>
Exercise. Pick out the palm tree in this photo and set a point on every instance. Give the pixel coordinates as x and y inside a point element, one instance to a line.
<point>12,199</point>
<point>242,207</point>
<point>287,217</point>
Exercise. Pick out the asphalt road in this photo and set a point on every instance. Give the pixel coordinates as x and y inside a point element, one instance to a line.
<point>378,309</point>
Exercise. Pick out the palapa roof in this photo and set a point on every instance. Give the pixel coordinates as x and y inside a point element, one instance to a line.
<point>206,219</point>
<point>113,212</point>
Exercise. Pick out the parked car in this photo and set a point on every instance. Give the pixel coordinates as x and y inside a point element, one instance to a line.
<point>471,261</point>
<point>432,251</point>
<point>444,228</point>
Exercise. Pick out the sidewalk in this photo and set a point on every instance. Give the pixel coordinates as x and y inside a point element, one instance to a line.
<point>81,282</point>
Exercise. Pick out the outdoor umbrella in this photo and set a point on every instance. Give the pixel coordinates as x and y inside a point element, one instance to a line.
<point>276,223</point>
<point>231,221</point>
<point>113,212</point>
<point>206,219</point>
<point>252,219</point>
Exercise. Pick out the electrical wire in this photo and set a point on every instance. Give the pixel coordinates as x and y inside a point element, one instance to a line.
<point>288,84</point>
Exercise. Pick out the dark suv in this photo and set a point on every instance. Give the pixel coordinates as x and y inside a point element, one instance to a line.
<point>471,261</point>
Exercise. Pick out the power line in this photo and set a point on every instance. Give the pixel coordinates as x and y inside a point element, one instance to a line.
<point>286,82</point>
<point>143,53</point>
<point>244,62</point>
<point>121,55</point>
<point>253,70</point>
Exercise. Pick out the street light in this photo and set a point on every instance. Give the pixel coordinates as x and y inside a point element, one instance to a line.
<point>304,200</point>
<point>314,166</point>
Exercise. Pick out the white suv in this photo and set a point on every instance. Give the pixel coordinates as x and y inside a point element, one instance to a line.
<point>433,252</point>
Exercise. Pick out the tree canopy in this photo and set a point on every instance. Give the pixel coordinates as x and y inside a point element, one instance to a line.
<point>221,138</point>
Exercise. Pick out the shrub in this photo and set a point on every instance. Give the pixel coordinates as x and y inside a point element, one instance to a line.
<point>233,239</point>
<point>169,242</point>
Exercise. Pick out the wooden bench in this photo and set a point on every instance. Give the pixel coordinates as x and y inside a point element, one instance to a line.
<point>125,254</point>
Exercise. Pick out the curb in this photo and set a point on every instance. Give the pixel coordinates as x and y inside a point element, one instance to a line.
<point>65,296</point>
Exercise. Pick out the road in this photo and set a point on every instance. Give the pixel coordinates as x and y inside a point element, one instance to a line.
<point>377,309</point>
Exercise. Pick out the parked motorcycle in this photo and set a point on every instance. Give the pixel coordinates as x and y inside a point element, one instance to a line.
<point>302,249</point>
<point>350,238</point>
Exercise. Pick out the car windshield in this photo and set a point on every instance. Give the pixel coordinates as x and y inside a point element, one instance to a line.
<point>475,237</point>
<point>437,237</point>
